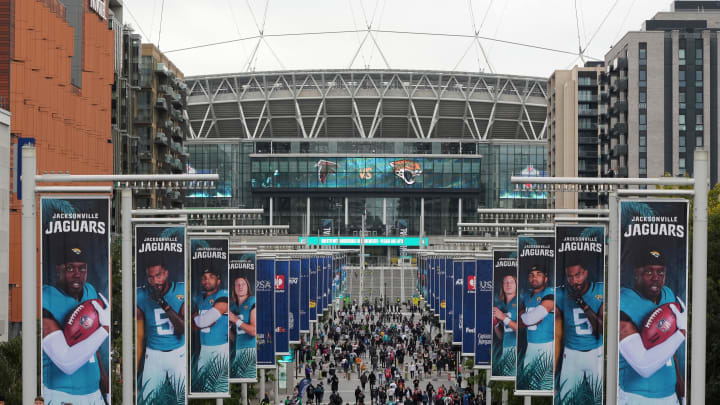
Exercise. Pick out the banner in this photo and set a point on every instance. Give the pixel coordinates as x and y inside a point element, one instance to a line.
<point>282,306</point>
<point>468,308</point>
<point>209,348</point>
<point>321,286</point>
<point>653,292</point>
<point>75,279</point>
<point>327,227</point>
<point>431,282</point>
<point>483,312</point>
<point>579,298</point>
<point>294,297</point>
<point>243,318</point>
<point>444,262</point>
<point>535,342</point>
<point>505,310</point>
<point>305,295</point>
<point>265,301</point>
<point>161,313</point>
<point>313,301</point>
<point>436,283</point>
<point>449,289</point>
<point>325,282</point>
<point>457,326</point>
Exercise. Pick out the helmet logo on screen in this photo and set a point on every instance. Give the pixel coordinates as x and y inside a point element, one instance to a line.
<point>471,283</point>
<point>279,282</point>
<point>406,170</point>
<point>325,168</point>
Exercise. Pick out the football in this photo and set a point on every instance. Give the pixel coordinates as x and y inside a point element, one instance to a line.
<point>659,325</point>
<point>495,321</point>
<point>81,322</point>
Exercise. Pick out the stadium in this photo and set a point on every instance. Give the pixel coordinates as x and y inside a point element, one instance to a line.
<point>415,150</point>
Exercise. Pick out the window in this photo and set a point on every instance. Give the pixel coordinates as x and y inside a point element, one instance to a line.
<point>699,78</point>
<point>643,163</point>
<point>699,52</point>
<point>642,101</point>
<point>682,96</point>
<point>699,123</point>
<point>681,144</point>
<point>643,77</point>
<point>643,122</point>
<point>681,163</point>
<point>643,54</point>
<point>585,95</point>
<point>681,78</point>
<point>699,140</point>
<point>699,100</point>
<point>681,56</point>
<point>681,122</point>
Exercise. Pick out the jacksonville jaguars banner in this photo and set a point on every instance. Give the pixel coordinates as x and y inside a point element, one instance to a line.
<point>282,306</point>
<point>265,300</point>
<point>505,320</point>
<point>579,298</point>
<point>653,292</point>
<point>313,301</point>
<point>483,312</point>
<point>305,295</point>
<point>294,302</point>
<point>242,317</point>
<point>535,341</point>
<point>449,289</point>
<point>75,279</point>
<point>209,325</point>
<point>161,313</point>
<point>457,327</point>
<point>468,308</point>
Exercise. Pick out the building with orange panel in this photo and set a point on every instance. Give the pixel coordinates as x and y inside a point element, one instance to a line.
<point>56,69</point>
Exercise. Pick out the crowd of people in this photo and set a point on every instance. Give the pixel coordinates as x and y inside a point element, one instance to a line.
<point>388,352</point>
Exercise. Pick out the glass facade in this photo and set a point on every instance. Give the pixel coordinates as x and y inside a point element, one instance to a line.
<point>479,175</point>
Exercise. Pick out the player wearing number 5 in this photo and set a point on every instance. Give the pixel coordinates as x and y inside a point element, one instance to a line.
<point>210,318</point>
<point>160,329</point>
<point>653,325</point>
<point>578,329</point>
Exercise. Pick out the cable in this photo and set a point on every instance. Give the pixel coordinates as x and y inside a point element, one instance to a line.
<point>587,45</point>
<point>162,10</point>
<point>577,26</point>
<point>623,22</point>
<point>398,32</point>
<point>357,34</point>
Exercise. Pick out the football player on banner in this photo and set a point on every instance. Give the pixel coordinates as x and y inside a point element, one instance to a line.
<point>653,326</point>
<point>537,310</point>
<point>243,328</point>
<point>210,317</point>
<point>160,327</point>
<point>75,323</point>
<point>505,323</point>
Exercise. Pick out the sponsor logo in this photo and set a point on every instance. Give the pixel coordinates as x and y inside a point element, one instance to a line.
<point>471,283</point>
<point>442,304</point>
<point>279,282</point>
<point>459,282</point>
<point>663,324</point>
<point>460,321</point>
<point>485,285</point>
<point>470,330</point>
<point>77,251</point>
<point>312,304</point>
<point>293,280</point>
<point>263,285</point>
<point>280,329</point>
<point>180,297</point>
<point>291,320</point>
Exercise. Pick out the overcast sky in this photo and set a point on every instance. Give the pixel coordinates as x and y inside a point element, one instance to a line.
<point>543,23</point>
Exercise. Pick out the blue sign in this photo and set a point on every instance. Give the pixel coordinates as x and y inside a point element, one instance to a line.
<point>457,327</point>
<point>265,301</point>
<point>294,296</point>
<point>468,323</point>
<point>441,283</point>
<point>449,287</point>
<point>483,312</point>
<point>282,303</point>
<point>305,294</point>
<point>436,283</point>
<point>313,301</point>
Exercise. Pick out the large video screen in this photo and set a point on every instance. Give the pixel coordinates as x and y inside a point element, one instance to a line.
<point>342,172</point>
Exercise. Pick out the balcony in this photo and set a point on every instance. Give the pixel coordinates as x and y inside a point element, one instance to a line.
<point>161,139</point>
<point>176,100</point>
<point>165,89</point>
<point>619,129</point>
<point>177,114</point>
<point>584,154</point>
<point>590,112</point>
<point>177,166</point>
<point>161,105</point>
<point>177,133</point>
<point>147,155</point>
<point>161,70</point>
<point>619,150</point>
<point>622,171</point>
<point>176,147</point>
<point>621,107</point>
<point>588,140</point>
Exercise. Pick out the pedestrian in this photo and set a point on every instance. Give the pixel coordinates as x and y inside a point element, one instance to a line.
<point>310,391</point>
<point>319,392</point>
<point>363,380</point>
<point>372,379</point>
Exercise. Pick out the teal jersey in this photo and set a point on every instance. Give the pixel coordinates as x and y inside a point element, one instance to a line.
<point>86,379</point>
<point>577,332</point>
<point>217,333</point>
<point>544,331</point>
<point>159,331</point>
<point>510,310</point>
<point>662,383</point>
<point>242,339</point>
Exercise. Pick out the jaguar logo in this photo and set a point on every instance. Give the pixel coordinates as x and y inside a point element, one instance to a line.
<point>406,170</point>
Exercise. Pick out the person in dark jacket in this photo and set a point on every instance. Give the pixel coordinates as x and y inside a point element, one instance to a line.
<point>319,392</point>
<point>363,380</point>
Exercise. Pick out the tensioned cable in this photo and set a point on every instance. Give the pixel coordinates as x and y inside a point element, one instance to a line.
<point>601,24</point>
<point>295,34</point>
<point>577,26</point>
<point>162,10</point>
<point>357,34</point>
<point>623,23</point>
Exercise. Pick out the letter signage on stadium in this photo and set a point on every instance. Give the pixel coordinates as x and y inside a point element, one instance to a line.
<point>653,296</point>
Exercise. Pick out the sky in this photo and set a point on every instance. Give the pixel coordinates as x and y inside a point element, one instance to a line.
<point>176,24</point>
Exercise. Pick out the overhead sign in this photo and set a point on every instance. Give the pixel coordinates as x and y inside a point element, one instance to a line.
<point>369,241</point>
